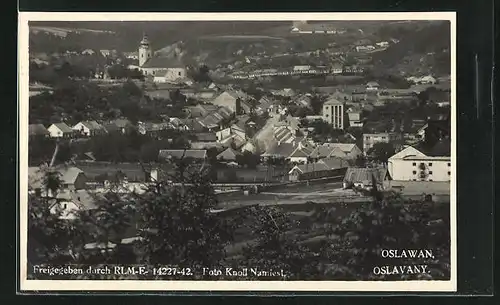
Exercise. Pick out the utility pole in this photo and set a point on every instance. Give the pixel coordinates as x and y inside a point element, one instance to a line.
<point>54,155</point>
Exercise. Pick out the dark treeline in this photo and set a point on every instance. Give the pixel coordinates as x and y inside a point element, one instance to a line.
<point>113,147</point>
<point>75,101</point>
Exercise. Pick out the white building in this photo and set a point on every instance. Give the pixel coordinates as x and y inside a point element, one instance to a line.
<point>410,164</point>
<point>164,69</point>
<point>372,86</point>
<point>60,130</point>
<point>370,139</point>
<point>382,44</point>
<point>333,113</point>
<point>354,117</point>
<point>89,128</point>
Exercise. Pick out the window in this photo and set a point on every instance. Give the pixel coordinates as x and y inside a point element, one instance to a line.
<point>65,206</point>
<point>414,172</point>
<point>383,138</point>
<point>414,179</point>
<point>422,164</point>
<point>449,173</point>
<point>368,138</point>
<point>430,179</point>
<point>430,164</point>
<point>430,172</point>
<point>449,164</point>
<point>414,164</point>
<point>180,73</point>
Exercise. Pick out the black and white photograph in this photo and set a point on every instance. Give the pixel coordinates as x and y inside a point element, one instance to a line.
<point>233,152</point>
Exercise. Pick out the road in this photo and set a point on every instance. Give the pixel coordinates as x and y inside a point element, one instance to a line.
<point>265,135</point>
<point>319,193</point>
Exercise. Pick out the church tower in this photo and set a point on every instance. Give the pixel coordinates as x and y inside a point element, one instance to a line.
<point>145,52</point>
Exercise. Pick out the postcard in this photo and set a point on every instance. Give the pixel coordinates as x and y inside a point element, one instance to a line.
<point>271,152</point>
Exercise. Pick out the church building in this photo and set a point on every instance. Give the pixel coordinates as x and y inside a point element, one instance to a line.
<point>162,69</point>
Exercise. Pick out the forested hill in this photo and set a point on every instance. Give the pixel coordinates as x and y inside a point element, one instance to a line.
<point>126,35</point>
<point>429,44</point>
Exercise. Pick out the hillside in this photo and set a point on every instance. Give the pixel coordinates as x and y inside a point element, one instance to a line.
<point>417,49</point>
<point>126,35</point>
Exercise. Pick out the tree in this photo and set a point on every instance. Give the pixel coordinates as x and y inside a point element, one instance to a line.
<point>360,161</point>
<point>176,223</point>
<point>388,222</point>
<point>316,104</point>
<point>275,248</point>
<point>107,223</point>
<point>248,159</point>
<point>51,239</point>
<point>381,152</point>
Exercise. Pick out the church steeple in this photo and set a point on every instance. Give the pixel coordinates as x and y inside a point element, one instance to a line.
<point>145,52</point>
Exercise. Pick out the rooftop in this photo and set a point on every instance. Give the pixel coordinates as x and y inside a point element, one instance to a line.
<point>63,127</point>
<point>182,153</point>
<point>365,175</point>
<point>163,62</point>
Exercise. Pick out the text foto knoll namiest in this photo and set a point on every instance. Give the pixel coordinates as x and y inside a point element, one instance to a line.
<point>243,272</point>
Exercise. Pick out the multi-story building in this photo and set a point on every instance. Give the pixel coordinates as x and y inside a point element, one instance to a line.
<point>411,164</point>
<point>333,113</point>
<point>370,139</point>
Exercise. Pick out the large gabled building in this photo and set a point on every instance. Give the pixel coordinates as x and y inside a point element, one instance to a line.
<point>162,69</point>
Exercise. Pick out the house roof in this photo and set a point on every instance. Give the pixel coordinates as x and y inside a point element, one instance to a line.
<point>63,127</point>
<point>83,199</point>
<point>283,133</point>
<point>325,149</point>
<point>110,127</point>
<point>322,165</point>
<point>228,154</point>
<point>235,139</point>
<point>121,123</point>
<point>133,171</point>
<point>265,103</point>
<point>68,175</point>
<point>182,153</point>
<point>206,137</point>
<point>242,121</point>
<point>92,125</point>
<point>413,126</point>
<point>245,106</point>
<point>302,100</point>
<point>364,175</point>
<point>206,145</point>
<point>372,84</point>
<point>163,62</point>
<point>149,126</point>
<point>333,101</point>
<point>37,130</point>
<point>282,150</point>
<point>301,152</point>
